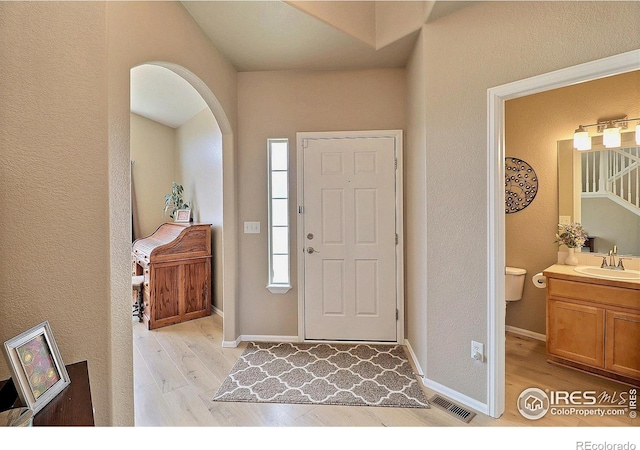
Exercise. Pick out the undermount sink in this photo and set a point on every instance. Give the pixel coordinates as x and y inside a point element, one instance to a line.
<point>610,274</point>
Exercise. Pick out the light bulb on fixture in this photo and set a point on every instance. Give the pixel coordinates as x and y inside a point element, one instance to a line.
<point>611,136</point>
<point>581,139</point>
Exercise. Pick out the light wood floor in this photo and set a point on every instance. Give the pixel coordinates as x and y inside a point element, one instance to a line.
<point>178,369</point>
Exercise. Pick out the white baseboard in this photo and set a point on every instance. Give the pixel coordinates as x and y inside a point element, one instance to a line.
<point>414,358</point>
<point>448,392</point>
<point>216,311</point>
<point>231,344</point>
<point>456,396</point>
<point>526,333</point>
<point>267,338</point>
<point>258,338</point>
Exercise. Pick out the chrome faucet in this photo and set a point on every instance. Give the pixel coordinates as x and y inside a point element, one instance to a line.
<point>612,260</point>
<point>612,256</point>
<point>604,264</point>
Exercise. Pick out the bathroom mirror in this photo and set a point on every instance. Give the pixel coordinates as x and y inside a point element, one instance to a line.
<point>600,189</point>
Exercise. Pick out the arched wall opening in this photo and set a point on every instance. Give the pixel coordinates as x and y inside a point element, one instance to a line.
<point>120,232</point>
<point>223,233</point>
<point>174,137</point>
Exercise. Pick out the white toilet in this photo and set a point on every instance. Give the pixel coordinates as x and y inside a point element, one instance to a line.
<point>514,283</point>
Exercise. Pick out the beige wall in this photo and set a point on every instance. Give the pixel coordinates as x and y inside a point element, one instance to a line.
<point>64,144</point>
<point>357,19</point>
<point>415,206</point>
<point>534,125</point>
<point>377,23</point>
<point>476,48</point>
<point>395,20</point>
<point>168,32</point>
<point>53,139</point>
<point>277,105</point>
<point>153,148</point>
<point>190,155</point>
<point>198,163</point>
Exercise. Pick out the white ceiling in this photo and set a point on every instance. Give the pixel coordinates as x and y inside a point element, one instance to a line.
<point>259,36</point>
<point>159,94</point>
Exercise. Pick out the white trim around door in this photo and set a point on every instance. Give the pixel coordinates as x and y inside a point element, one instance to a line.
<point>396,135</point>
<point>496,97</point>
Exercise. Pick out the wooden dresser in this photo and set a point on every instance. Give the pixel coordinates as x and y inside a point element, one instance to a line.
<point>176,263</point>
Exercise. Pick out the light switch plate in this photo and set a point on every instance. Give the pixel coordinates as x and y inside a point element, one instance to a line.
<point>252,227</point>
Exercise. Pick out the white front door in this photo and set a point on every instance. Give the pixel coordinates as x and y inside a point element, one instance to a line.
<point>348,236</point>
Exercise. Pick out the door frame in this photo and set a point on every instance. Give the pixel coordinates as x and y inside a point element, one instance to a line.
<point>393,134</point>
<point>496,98</point>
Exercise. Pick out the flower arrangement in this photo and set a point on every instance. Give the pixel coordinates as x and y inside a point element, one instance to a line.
<point>572,235</point>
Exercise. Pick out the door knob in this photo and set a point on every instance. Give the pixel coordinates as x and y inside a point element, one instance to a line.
<point>311,250</point>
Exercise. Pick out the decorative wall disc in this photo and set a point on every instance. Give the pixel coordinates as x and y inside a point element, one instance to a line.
<point>520,184</point>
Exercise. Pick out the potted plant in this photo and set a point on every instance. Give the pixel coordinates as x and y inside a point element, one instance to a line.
<point>174,200</point>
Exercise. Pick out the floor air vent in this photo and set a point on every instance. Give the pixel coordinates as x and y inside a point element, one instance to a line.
<point>455,410</point>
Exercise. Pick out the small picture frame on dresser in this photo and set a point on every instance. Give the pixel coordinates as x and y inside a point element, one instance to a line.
<point>182,215</point>
<point>36,366</point>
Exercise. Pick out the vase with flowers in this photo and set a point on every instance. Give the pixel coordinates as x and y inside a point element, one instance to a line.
<point>572,236</point>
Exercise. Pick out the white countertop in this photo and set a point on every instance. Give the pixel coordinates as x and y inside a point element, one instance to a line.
<point>567,272</point>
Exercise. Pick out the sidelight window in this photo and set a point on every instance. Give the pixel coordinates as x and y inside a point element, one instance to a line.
<point>279,267</point>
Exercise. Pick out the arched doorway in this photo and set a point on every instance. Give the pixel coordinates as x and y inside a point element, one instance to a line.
<point>119,217</point>
<point>174,137</point>
<point>225,221</point>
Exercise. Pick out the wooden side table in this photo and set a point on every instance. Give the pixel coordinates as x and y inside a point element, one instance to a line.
<point>71,407</point>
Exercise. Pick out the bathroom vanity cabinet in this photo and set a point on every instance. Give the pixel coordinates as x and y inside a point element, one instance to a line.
<point>593,324</point>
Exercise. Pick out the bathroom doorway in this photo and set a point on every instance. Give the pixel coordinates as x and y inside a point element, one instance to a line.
<point>496,263</point>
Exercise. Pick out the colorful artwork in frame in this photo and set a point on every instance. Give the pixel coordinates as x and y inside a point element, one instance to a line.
<point>182,215</point>
<point>36,366</point>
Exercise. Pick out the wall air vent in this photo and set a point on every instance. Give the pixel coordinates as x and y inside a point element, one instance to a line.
<point>455,410</point>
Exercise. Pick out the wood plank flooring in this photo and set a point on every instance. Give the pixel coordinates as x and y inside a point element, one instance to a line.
<point>178,369</point>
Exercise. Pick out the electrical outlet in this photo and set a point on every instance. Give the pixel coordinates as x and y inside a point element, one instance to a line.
<point>477,351</point>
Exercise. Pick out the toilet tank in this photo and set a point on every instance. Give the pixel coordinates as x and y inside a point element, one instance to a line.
<point>514,283</point>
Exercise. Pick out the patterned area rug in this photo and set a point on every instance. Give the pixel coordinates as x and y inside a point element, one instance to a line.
<point>328,374</point>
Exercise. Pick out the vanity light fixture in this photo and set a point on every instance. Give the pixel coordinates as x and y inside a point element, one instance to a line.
<point>610,129</point>
<point>611,136</point>
<point>581,139</point>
